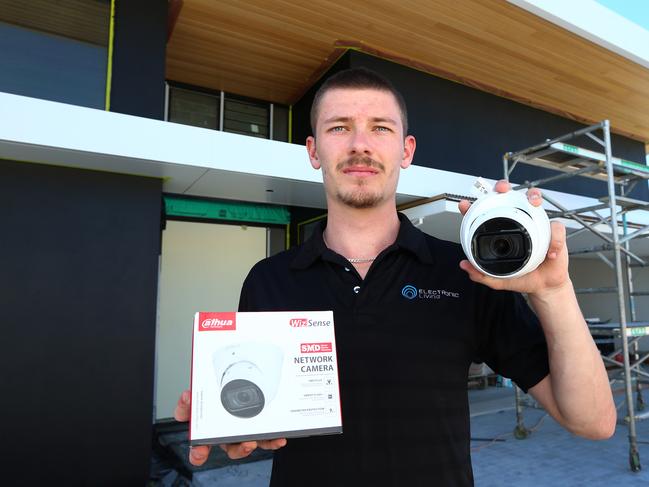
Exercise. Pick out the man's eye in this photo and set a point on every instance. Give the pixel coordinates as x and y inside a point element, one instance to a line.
<point>337,129</point>
<point>380,128</point>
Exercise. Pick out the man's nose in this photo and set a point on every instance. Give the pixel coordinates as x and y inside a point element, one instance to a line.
<point>360,143</point>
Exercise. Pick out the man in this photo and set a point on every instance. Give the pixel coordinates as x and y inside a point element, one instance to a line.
<point>403,360</point>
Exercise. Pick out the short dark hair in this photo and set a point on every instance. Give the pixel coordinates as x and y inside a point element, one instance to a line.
<point>358,78</point>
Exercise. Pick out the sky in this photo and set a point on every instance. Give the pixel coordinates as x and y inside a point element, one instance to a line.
<point>634,10</point>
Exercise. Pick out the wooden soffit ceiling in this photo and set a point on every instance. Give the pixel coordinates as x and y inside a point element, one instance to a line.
<point>276,49</point>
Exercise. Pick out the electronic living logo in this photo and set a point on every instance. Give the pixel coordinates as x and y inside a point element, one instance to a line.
<point>409,291</point>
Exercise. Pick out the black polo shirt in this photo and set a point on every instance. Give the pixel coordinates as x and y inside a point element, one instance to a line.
<point>406,335</point>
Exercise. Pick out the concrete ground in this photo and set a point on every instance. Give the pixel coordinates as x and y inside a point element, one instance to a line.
<point>549,456</point>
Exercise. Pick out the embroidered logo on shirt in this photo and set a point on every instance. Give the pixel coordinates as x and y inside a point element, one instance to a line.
<point>411,292</point>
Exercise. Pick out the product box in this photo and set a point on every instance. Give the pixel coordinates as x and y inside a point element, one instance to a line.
<point>263,375</point>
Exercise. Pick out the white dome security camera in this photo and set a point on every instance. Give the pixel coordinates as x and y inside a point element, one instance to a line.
<point>248,376</point>
<point>504,236</point>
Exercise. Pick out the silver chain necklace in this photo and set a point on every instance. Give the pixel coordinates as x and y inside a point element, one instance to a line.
<point>360,260</point>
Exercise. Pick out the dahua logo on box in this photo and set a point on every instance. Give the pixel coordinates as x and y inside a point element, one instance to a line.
<point>217,321</point>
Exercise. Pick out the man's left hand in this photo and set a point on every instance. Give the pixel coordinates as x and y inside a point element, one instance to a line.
<point>551,275</point>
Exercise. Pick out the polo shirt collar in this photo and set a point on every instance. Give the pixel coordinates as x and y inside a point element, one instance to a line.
<point>408,238</point>
<point>414,240</point>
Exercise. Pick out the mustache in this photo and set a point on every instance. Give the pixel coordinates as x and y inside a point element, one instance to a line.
<point>360,161</point>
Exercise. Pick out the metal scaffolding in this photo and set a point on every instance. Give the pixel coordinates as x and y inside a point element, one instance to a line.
<point>621,176</point>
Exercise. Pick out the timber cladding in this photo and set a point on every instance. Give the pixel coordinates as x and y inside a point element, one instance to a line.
<point>273,50</point>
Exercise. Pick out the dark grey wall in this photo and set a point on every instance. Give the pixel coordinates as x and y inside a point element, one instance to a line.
<point>466,130</point>
<point>52,67</point>
<point>139,50</point>
<point>56,68</point>
<point>79,258</point>
<point>302,109</point>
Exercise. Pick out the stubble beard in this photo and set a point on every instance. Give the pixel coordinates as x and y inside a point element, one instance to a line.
<point>360,197</point>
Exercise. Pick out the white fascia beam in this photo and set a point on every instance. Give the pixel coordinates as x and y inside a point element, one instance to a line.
<point>145,146</point>
<point>186,157</point>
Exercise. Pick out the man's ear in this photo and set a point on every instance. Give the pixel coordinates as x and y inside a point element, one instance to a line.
<point>313,153</point>
<point>409,145</point>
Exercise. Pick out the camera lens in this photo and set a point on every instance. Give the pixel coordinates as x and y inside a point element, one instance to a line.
<point>242,398</point>
<point>501,246</point>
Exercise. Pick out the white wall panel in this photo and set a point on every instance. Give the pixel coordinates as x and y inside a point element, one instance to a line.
<point>202,268</point>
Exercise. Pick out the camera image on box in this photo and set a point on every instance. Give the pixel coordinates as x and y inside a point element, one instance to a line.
<point>248,375</point>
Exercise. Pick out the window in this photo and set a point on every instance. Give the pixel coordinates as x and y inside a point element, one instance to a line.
<point>246,117</point>
<point>194,108</point>
<point>202,108</point>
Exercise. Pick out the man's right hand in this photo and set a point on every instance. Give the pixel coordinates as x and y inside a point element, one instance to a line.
<point>198,454</point>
